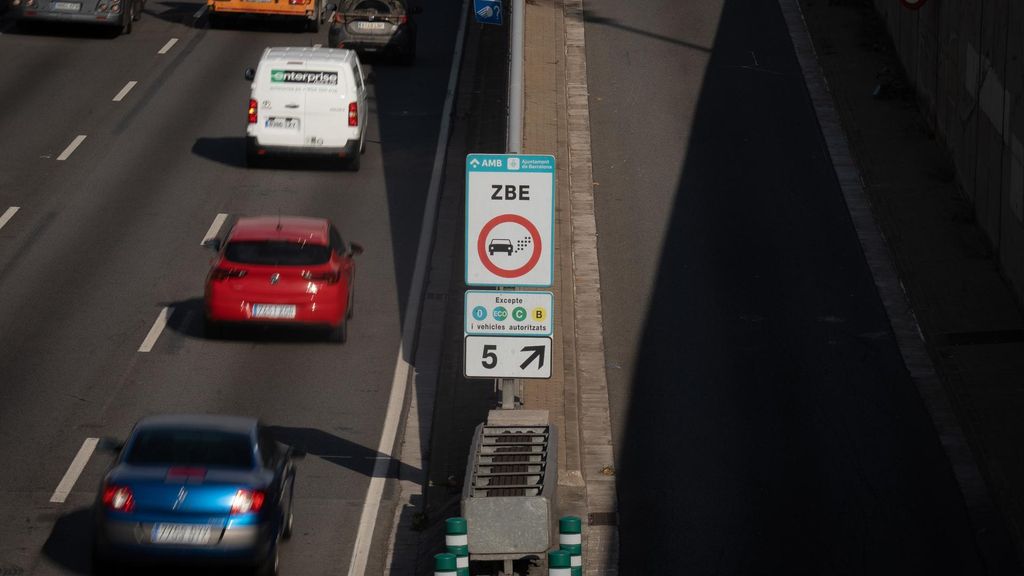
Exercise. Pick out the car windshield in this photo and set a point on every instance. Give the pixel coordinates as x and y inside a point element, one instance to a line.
<point>277,253</point>
<point>207,448</point>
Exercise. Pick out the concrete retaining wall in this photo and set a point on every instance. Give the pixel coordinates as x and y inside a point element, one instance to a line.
<point>966,60</point>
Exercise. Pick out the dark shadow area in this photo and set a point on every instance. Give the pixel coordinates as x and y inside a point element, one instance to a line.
<point>337,451</point>
<point>70,543</point>
<point>230,151</point>
<point>65,30</point>
<point>591,18</point>
<point>169,11</point>
<point>188,319</point>
<point>772,427</point>
<point>262,23</point>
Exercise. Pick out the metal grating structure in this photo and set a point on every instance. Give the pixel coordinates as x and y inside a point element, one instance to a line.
<point>510,461</point>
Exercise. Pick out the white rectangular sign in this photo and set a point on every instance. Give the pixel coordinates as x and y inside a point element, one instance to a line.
<point>491,313</point>
<point>510,211</point>
<point>507,357</point>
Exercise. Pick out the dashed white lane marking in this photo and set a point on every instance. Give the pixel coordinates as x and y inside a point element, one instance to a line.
<point>368,518</point>
<point>155,331</point>
<point>74,471</point>
<point>71,148</point>
<point>8,214</point>
<point>124,91</point>
<point>218,221</point>
<point>170,44</point>
<point>199,13</point>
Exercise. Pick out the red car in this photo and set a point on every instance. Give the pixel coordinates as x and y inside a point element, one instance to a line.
<point>282,270</point>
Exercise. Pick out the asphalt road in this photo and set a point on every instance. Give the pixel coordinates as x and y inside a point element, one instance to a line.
<point>108,237</point>
<point>763,418</point>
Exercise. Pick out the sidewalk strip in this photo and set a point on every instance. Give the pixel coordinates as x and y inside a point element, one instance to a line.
<point>8,214</point>
<point>170,44</point>
<point>74,471</point>
<point>71,148</point>
<point>218,221</point>
<point>155,331</point>
<point>124,91</point>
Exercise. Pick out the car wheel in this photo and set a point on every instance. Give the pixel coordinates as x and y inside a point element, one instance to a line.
<point>289,521</point>
<point>339,334</point>
<point>353,163</point>
<point>138,13</point>
<point>215,20</point>
<point>101,563</point>
<point>351,310</point>
<point>254,160</point>
<point>127,19</point>
<point>271,563</point>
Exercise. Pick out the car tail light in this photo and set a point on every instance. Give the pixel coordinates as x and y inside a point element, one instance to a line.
<point>225,273</point>
<point>246,501</point>
<point>118,498</point>
<point>403,19</point>
<point>328,277</point>
<point>353,114</point>
<point>253,108</point>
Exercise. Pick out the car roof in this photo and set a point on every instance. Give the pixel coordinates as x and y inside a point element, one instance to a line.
<point>307,55</point>
<point>283,228</point>
<point>239,424</point>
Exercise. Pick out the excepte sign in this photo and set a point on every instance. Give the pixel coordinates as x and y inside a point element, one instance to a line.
<point>491,313</point>
<point>510,209</point>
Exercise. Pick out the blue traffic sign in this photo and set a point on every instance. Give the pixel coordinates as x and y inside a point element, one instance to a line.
<point>487,11</point>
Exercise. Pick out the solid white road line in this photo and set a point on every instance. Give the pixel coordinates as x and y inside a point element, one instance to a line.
<point>199,13</point>
<point>170,44</point>
<point>124,91</point>
<point>77,465</point>
<point>8,214</point>
<point>368,518</point>
<point>218,221</point>
<point>155,331</point>
<point>71,148</point>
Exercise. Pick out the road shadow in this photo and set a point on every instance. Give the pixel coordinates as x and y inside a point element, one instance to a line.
<point>70,542</point>
<point>339,451</point>
<point>65,30</point>
<point>230,151</point>
<point>186,317</point>
<point>176,12</point>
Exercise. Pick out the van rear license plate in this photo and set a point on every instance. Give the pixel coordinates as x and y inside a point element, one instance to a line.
<point>283,123</point>
<point>194,534</point>
<point>68,6</point>
<point>371,25</point>
<point>273,311</point>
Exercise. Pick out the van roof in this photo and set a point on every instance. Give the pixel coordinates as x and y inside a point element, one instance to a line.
<point>309,55</point>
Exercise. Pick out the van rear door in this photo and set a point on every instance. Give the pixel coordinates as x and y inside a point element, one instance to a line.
<point>282,102</point>
<point>327,106</point>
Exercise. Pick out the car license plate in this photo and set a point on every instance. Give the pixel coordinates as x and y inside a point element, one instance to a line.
<point>282,123</point>
<point>275,311</point>
<point>68,6</point>
<point>192,534</point>
<point>371,25</point>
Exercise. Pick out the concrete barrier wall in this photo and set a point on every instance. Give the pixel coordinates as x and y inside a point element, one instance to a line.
<point>966,61</point>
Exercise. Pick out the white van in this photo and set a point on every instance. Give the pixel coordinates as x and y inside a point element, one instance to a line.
<point>307,101</point>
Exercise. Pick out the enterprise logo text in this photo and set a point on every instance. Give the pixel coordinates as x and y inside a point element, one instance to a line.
<point>304,77</point>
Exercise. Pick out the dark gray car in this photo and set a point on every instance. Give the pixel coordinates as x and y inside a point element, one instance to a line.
<point>374,26</point>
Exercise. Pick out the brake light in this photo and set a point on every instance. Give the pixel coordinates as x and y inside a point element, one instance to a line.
<point>246,501</point>
<point>403,19</point>
<point>353,114</point>
<point>253,107</point>
<point>225,273</point>
<point>328,277</point>
<point>118,498</point>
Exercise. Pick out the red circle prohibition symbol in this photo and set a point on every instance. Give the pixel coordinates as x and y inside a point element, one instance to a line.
<point>481,246</point>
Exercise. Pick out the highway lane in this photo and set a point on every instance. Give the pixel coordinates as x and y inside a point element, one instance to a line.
<point>764,421</point>
<point>103,241</point>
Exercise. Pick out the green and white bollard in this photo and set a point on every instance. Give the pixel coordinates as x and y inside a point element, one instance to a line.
<point>559,563</point>
<point>444,565</point>
<point>457,542</point>
<point>570,539</point>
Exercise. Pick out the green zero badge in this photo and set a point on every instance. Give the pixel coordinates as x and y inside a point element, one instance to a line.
<point>304,77</point>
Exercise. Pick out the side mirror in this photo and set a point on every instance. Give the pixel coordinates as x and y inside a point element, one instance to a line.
<point>250,74</point>
<point>212,244</point>
<point>332,7</point>
<point>357,248</point>
<point>416,10</point>
<point>110,445</point>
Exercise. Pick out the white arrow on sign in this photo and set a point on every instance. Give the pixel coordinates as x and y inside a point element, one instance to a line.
<point>507,357</point>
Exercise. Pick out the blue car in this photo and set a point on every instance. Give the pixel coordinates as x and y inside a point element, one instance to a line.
<point>203,489</point>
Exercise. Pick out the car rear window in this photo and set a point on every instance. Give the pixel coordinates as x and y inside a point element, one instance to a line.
<point>206,448</point>
<point>277,253</point>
